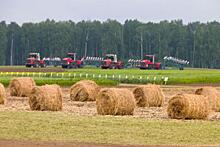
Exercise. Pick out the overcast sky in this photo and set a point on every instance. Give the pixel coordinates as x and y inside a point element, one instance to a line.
<point>76,10</point>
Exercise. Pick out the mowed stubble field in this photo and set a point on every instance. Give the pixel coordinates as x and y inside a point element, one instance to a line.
<point>79,122</point>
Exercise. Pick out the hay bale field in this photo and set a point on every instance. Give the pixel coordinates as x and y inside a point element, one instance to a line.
<point>88,108</point>
<point>21,86</point>
<point>149,96</point>
<point>46,98</point>
<point>188,106</point>
<point>113,101</point>
<point>213,97</point>
<point>85,90</point>
<point>2,93</point>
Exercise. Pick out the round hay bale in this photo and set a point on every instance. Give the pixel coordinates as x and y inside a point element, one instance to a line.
<point>46,98</point>
<point>85,90</point>
<point>112,101</point>
<point>213,97</point>
<point>21,86</point>
<point>188,106</point>
<point>149,96</point>
<point>2,93</point>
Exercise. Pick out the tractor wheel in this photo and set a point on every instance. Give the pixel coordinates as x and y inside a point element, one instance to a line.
<point>80,66</point>
<point>36,66</point>
<point>64,66</point>
<point>43,66</point>
<point>181,68</point>
<point>68,66</point>
<point>120,67</point>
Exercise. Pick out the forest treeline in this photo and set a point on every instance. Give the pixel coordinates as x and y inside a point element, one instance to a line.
<point>199,43</point>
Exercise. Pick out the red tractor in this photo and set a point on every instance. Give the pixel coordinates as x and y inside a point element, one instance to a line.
<point>110,62</point>
<point>34,60</point>
<point>71,62</point>
<point>149,63</point>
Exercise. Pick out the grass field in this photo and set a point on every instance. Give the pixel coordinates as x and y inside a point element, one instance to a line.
<point>113,77</point>
<point>61,81</point>
<point>188,76</point>
<point>50,126</point>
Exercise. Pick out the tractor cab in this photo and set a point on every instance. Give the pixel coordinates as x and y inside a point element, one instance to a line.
<point>149,63</point>
<point>149,58</point>
<point>34,60</point>
<point>110,61</point>
<point>72,56</point>
<point>111,57</point>
<point>70,61</point>
<point>34,55</point>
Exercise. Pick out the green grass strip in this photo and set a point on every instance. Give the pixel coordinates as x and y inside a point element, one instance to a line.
<point>62,82</point>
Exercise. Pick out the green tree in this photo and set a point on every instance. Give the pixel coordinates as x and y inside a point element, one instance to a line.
<point>3,42</point>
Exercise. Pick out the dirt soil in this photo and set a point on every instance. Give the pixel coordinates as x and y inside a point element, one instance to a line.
<point>47,69</point>
<point>89,108</point>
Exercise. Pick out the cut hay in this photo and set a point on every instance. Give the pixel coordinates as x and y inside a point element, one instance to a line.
<point>213,97</point>
<point>112,101</point>
<point>85,90</point>
<point>46,98</point>
<point>21,86</point>
<point>2,93</point>
<point>149,96</point>
<point>188,106</point>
